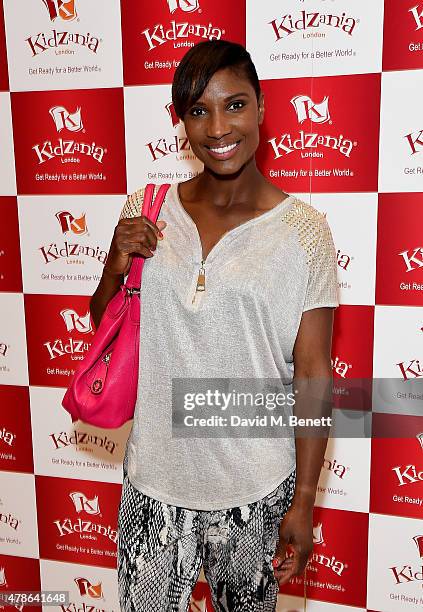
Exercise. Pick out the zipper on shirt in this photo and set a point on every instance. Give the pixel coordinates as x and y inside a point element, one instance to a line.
<point>201,280</point>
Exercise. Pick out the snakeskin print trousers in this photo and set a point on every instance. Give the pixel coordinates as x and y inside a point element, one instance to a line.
<point>161,549</point>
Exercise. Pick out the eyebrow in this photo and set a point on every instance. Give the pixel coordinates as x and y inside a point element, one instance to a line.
<point>241,93</point>
<point>236,95</point>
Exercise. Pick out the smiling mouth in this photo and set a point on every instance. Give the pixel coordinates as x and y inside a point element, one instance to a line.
<point>224,149</point>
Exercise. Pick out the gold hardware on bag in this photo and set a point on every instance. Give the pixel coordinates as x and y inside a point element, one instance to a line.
<point>131,290</point>
<point>97,386</point>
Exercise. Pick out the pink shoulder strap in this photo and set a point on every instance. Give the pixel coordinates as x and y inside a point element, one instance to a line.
<point>151,211</point>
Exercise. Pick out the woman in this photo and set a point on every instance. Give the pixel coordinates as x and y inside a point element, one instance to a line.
<point>241,284</point>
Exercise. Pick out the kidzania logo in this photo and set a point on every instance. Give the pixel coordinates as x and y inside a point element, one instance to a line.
<point>343,259</point>
<point>410,370</point>
<point>69,250</point>
<point>172,114</point>
<point>415,141</point>
<point>404,574</point>
<point>332,563</point>
<point>7,518</point>
<point>74,322</point>
<point>77,439</point>
<point>63,119</point>
<point>61,41</point>
<point>68,223</point>
<point>66,150</point>
<point>417,12</point>
<point>63,9</point>
<point>308,142</point>
<point>177,144</point>
<point>87,529</point>
<point>188,6</point>
<point>72,252</point>
<point>7,436</point>
<point>70,346</point>
<point>88,589</point>
<point>409,474</point>
<point>413,258</point>
<point>310,23</point>
<point>340,367</point>
<point>179,32</point>
<point>334,467</point>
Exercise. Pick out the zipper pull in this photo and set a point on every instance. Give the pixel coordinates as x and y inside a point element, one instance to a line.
<point>201,280</point>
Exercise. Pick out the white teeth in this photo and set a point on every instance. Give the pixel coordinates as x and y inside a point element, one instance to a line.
<point>223,149</point>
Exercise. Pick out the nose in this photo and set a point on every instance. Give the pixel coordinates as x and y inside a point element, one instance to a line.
<point>218,125</point>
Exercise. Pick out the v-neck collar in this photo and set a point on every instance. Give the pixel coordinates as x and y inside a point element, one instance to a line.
<point>253,221</point>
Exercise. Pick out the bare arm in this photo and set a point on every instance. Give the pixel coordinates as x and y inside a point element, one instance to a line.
<point>313,380</point>
<point>313,383</point>
<point>135,236</point>
<point>108,286</point>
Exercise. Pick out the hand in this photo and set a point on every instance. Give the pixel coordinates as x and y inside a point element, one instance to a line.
<point>137,235</point>
<point>295,530</point>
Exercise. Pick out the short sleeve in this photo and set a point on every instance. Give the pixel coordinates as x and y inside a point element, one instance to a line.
<point>133,205</point>
<point>322,285</point>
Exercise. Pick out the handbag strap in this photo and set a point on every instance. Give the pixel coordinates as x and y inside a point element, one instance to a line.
<point>151,211</point>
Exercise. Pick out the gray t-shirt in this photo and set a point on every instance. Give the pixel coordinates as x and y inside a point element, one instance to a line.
<point>260,277</point>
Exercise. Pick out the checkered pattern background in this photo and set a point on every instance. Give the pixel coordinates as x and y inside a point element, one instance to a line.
<point>85,119</point>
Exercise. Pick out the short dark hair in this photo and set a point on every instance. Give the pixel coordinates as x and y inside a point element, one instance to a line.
<point>200,63</point>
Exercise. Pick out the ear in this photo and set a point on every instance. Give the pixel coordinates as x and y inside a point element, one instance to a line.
<point>261,108</point>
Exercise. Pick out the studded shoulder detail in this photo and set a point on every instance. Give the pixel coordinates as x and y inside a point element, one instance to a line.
<point>309,223</point>
<point>133,205</point>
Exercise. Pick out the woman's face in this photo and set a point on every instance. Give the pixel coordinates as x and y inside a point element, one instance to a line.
<point>222,126</point>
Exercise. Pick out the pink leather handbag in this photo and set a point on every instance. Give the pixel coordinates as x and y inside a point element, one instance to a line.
<point>103,390</point>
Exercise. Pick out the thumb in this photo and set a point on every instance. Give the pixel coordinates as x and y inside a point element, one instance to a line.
<point>161,225</point>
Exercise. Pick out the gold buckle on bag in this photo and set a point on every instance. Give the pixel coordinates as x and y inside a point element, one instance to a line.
<point>131,290</point>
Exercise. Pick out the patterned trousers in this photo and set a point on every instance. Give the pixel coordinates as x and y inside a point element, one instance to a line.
<point>161,549</point>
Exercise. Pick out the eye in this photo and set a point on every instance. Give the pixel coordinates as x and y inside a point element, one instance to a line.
<point>237,102</point>
<point>193,111</point>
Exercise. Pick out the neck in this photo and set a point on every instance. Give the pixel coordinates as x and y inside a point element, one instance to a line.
<point>230,189</point>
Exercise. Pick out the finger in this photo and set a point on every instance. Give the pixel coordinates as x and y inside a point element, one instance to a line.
<point>128,267</point>
<point>131,222</point>
<point>280,553</point>
<point>288,560</point>
<point>149,238</point>
<point>285,577</point>
<point>132,248</point>
<point>161,225</point>
<point>287,571</point>
<point>156,231</point>
<point>136,235</point>
<point>126,226</point>
<point>286,565</point>
<point>293,566</point>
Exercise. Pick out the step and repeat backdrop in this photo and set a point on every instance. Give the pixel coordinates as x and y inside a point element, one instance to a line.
<point>86,118</point>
